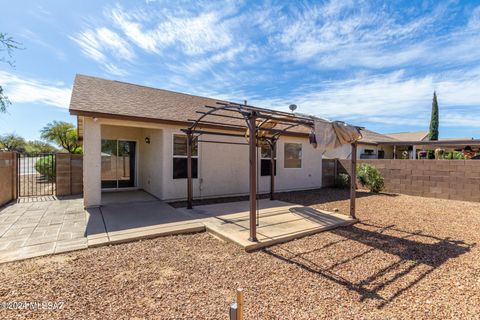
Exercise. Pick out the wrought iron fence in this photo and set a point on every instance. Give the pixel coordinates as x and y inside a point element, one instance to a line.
<point>36,174</point>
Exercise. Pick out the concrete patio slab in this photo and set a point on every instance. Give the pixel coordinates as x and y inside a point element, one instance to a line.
<point>278,222</point>
<point>143,218</point>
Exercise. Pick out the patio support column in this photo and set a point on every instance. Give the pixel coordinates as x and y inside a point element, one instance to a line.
<point>353,180</point>
<point>92,159</point>
<point>189,170</point>
<point>252,125</point>
<point>273,143</point>
<point>414,152</point>
<point>394,152</point>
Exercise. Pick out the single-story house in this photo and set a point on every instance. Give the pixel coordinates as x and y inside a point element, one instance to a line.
<point>132,139</point>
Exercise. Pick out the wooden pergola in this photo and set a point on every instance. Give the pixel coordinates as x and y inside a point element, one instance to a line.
<point>258,126</point>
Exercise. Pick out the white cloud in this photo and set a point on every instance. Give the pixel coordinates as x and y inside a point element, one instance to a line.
<point>26,90</point>
<point>102,45</point>
<point>195,34</point>
<point>96,43</point>
<point>390,99</point>
<point>338,35</point>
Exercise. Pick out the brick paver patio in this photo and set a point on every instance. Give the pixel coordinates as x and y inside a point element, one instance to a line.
<point>39,226</point>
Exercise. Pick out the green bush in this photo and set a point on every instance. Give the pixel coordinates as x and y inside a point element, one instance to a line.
<point>46,167</point>
<point>343,180</point>
<point>370,177</point>
<point>455,155</point>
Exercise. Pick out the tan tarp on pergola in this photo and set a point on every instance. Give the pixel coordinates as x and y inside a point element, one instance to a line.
<point>331,135</point>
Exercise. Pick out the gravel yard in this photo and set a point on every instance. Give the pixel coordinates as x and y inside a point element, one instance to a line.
<point>409,258</point>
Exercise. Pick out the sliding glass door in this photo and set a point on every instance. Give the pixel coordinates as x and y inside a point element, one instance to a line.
<point>118,164</point>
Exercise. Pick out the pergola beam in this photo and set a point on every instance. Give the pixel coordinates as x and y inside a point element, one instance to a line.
<point>353,180</point>
<point>252,124</point>
<point>189,170</point>
<point>250,115</point>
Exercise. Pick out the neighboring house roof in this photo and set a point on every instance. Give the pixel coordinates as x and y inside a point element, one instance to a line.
<point>409,136</point>
<point>96,97</point>
<point>450,139</point>
<point>372,137</point>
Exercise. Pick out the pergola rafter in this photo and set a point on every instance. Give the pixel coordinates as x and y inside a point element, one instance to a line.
<point>247,118</point>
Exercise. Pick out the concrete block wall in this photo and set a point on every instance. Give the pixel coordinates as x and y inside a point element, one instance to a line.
<point>69,174</point>
<point>8,177</point>
<point>446,179</point>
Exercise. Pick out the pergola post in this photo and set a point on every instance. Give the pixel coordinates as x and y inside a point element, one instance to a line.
<point>272,167</point>
<point>189,170</point>
<point>353,180</point>
<point>252,125</point>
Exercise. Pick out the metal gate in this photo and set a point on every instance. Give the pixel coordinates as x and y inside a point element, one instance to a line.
<point>36,174</point>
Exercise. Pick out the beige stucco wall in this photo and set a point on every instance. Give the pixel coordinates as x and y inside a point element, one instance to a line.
<point>92,195</point>
<point>223,168</point>
<point>151,162</point>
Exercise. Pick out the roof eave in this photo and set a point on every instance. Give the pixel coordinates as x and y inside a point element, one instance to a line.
<point>82,113</point>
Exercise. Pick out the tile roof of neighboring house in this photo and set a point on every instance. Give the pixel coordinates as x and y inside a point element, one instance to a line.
<point>409,136</point>
<point>92,96</point>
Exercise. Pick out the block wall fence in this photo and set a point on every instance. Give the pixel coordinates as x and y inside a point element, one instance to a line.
<point>446,179</point>
<point>69,174</point>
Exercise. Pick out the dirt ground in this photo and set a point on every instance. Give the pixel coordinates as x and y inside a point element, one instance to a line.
<point>408,258</point>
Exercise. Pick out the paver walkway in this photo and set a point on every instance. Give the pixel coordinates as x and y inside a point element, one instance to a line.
<point>40,226</point>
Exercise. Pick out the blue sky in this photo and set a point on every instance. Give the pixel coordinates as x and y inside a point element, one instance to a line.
<point>370,63</point>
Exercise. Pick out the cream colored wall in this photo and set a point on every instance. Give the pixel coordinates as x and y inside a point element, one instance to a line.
<point>223,168</point>
<point>92,193</point>
<point>151,162</point>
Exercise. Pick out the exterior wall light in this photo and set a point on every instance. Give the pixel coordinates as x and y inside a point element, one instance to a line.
<point>147,140</point>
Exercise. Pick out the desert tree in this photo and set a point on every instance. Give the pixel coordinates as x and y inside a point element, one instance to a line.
<point>63,134</point>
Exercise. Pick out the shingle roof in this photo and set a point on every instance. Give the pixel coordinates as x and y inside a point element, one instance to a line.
<point>373,137</point>
<point>409,136</point>
<point>92,96</point>
<point>96,95</point>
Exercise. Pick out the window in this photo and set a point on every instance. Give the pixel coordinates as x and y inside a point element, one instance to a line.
<point>180,157</point>
<point>265,161</point>
<point>293,155</point>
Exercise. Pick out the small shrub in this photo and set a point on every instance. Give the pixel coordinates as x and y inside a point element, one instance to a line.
<point>455,155</point>
<point>343,180</point>
<point>46,167</point>
<point>370,177</point>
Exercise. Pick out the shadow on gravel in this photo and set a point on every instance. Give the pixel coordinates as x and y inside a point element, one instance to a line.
<point>417,259</point>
